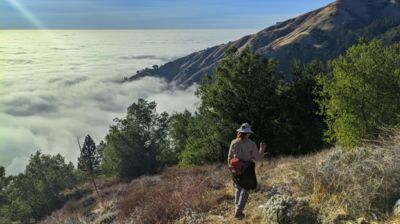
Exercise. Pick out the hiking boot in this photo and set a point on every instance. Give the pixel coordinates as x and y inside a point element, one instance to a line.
<point>239,216</point>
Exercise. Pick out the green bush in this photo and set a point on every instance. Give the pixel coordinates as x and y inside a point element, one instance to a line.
<point>35,193</point>
<point>133,144</point>
<point>363,93</point>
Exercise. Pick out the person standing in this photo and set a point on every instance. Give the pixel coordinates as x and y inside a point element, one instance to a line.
<point>243,154</point>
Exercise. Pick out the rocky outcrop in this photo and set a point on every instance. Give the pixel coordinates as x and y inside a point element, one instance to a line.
<point>323,34</point>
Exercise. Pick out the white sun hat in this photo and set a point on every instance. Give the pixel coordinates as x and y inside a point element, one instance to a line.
<point>245,128</point>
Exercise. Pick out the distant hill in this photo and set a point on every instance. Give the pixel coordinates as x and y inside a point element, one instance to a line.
<point>324,34</point>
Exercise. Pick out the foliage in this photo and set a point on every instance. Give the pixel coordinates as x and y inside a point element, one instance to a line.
<point>282,208</point>
<point>247,88</point>
<point>4,200</point>
<point>38,191</point>
<point>364,93</point>
<point>133,143</point>
<point>207,141</point>
<point>306,126</point>
<point>178,133</point>
<point>89,160</point>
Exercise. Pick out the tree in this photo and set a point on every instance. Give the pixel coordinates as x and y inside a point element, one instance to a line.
<point>89,161</point>
<point>207,140</point>
<point>178,134</point>
<point>133,144</point>
<point>4,181</point>
<point>38,191</point>
<point>4,199</point>
<point>363,93</point>
<point>247,88</point>
<point>306,124</point>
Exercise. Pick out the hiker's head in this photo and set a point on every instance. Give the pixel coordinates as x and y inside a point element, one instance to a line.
<point>244,131</point>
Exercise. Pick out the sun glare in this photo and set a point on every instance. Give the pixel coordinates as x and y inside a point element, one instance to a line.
<point>27,14</point>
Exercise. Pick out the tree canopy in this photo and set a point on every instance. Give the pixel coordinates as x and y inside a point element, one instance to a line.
<point>363,94</point>
<point>38,191</point>
<point>133,143</point>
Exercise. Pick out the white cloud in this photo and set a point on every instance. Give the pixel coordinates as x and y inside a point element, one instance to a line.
<point>52,122</point>
<point>57,85</point>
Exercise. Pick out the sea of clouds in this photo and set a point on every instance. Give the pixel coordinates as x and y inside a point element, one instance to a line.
<point>56,86</point>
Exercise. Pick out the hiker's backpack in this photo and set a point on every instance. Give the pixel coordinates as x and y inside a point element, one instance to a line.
<point>236,166</point>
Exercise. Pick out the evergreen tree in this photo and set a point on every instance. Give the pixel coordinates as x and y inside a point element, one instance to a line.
<point>90,158</point>
<point>89,161</point>
<point>134,143</point>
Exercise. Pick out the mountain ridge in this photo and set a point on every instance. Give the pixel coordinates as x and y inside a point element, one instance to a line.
<point>310,35</point>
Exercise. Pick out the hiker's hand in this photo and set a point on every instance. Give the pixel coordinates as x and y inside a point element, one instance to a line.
<point>263,146</point>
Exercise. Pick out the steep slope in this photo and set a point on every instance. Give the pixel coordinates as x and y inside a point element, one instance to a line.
<point>323,34</point>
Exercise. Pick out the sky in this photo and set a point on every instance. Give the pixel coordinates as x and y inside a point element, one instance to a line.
<point>149,14</point>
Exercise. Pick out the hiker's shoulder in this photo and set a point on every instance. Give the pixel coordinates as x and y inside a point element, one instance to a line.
<point>235,141</point>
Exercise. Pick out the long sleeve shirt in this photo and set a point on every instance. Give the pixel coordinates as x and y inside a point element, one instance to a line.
<point>245,150</point>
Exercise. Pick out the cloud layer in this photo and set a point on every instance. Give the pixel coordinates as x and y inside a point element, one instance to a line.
<point>55,86</point>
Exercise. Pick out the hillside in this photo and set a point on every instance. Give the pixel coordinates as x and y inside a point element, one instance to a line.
<point>324,34</point>
<point>332,186</point>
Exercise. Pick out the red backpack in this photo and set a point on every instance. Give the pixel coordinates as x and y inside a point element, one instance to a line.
<point>236,166</point>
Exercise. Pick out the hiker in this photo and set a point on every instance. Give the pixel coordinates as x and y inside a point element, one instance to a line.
<point>242,155</point>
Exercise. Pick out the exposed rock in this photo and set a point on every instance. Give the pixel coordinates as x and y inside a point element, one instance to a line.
<point>289,210</point>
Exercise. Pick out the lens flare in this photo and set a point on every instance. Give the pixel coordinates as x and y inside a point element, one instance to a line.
<point>27,14</point>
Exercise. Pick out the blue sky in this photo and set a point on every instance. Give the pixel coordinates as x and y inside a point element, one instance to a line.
<point>128,14</point>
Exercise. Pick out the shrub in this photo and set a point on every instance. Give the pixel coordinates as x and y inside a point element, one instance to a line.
<point>363,94</point>
<point>364,180</point>
<point>286,209</point>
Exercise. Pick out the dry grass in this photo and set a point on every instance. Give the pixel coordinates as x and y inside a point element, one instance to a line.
<point>363,182</point>
<point>165,198</point>
<point>175,194</point>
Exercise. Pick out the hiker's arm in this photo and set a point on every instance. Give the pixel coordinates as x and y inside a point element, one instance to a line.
<point>263,149</point>
<point>258,154</point>
<point>255,154</point>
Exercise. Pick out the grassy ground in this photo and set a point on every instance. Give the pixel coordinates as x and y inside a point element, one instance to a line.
<point>359,183</point>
